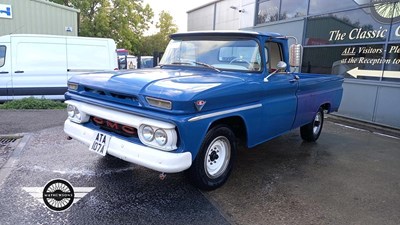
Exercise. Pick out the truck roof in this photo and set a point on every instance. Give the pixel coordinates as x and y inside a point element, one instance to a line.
<point>226,32</point>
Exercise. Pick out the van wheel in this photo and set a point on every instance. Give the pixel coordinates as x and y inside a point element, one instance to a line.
<point>213,164</point>
<point>310,132</point>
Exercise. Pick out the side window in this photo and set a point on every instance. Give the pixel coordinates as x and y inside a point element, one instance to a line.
<point>2,55</point>
<point>273,54</point>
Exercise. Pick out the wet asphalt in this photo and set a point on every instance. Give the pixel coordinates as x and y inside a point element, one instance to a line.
<point>26,121</point>
<point>350,176</point>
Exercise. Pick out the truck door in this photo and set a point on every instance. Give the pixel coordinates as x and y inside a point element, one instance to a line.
<point>5,72</point>
<point>39,67</point>
<point>280,99</point>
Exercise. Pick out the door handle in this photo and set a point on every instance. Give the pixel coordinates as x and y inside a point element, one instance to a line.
<point>19,71</point>
<point>3,72</point>
<point>296,78</point>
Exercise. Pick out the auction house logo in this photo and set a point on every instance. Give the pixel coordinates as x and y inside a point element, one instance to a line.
<point>386,11</point>
<point>58,195</point>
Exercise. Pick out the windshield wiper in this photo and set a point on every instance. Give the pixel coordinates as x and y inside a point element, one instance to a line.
<point>208,66</point>
<point>182,63</point>
<point>177,63</point>
<point>194,62</point>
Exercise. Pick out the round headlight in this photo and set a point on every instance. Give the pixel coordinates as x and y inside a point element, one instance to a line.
<point>71,110</point>
<point>148,133</point>
<point>161,137</point>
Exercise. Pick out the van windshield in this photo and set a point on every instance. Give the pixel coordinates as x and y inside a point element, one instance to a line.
<point>2,55</point>
<point>221,54</point>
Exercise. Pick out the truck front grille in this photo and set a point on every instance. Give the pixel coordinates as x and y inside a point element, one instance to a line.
<point>117,97</point>
<point>124,130</point>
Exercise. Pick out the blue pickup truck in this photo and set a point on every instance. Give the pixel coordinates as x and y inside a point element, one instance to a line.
<point>210,91</point>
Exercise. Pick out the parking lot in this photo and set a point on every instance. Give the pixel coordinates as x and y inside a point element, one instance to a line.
<point>350,176</point>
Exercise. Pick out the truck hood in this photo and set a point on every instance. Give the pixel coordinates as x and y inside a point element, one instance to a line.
<point>181,87</point>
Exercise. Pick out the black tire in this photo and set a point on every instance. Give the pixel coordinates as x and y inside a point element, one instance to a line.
<point>214,161</point>
<point>310,132</point>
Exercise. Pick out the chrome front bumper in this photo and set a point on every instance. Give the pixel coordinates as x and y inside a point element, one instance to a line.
<point>151,158</point>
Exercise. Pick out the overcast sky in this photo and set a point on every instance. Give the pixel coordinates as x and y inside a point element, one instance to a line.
<point>177,9</point>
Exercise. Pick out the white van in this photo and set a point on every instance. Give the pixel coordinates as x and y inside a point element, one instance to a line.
<point>40,65</point>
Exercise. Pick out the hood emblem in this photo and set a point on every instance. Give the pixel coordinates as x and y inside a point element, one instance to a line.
<point>199,104</point>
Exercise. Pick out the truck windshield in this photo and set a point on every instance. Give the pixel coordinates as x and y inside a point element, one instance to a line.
<point>226,54</point>
<point>2,55</point>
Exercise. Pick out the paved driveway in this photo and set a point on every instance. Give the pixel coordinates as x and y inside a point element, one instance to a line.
<point>24,121</point>
<point>349,176</point>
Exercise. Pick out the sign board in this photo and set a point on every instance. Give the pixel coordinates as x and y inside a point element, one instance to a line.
<point>5,11</point>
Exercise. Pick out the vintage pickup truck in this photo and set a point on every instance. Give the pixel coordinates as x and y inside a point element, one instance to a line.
<point>210,90</point>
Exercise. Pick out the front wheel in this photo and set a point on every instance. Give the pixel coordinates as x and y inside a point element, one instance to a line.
<point>213,164</point>
<point>310,132</point>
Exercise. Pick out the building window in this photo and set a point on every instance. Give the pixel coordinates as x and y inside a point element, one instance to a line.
<point>354,26</point>
<point>392,66</point>
<point>268,11</point>
<point>353,62</point>
<point>293,8</point>
<point>323,6</point>
<point>351,43</point>
<point>274,10</point>
<point>2,55</point>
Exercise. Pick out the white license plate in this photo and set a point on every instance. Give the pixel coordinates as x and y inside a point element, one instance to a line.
<point>100,143</point>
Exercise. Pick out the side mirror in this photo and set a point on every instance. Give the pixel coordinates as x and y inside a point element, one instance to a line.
<point>281,66</point>
<point>295,52</point>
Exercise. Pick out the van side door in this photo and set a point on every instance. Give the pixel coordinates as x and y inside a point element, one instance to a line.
<point>85,55</point>
<point>39,67</point>
<point>5,72</point>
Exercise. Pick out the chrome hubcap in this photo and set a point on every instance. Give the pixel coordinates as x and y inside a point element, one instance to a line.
<point>317,123</point>
<point>217,157</point>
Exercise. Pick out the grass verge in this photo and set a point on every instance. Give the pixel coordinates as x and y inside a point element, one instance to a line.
<point>33,103</point>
